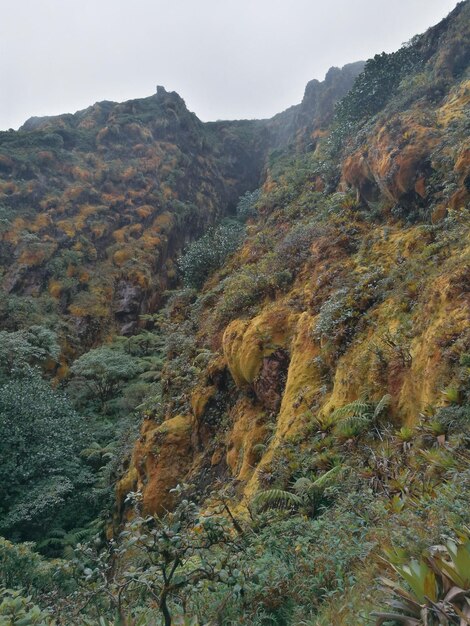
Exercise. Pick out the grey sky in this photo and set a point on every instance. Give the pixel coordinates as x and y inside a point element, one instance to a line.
<point>227,58</point>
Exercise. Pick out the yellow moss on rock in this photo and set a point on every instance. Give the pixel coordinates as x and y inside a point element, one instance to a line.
<point>249,429</point>
<point>246,343</point>
<point>55,288</point>
<point>199,399</point>
<point>303,378</point>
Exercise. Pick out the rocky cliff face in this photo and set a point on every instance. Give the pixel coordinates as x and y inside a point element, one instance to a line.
<point>303,124</point>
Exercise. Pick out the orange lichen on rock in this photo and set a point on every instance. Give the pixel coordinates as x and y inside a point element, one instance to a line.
<point>122,255</point>
<point>42,221</point>
<point>150,241</point>
<point>396,166</point>
<point>55,288</point>
<point>163,222</point>
<point>36,255</point>
<point>68,227</point>
<point>161,457</point>
<point>144,211</point>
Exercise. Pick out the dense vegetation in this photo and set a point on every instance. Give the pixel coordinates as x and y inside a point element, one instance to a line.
<point>226,405</point>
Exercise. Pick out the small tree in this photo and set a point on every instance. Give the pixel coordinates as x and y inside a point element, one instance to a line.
<point>104,371</point>
<point>166,557</point>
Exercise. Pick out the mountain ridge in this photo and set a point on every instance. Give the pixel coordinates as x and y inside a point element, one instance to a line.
<point>224,158</point>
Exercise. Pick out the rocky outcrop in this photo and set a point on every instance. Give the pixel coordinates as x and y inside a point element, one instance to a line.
<point>301,125</point>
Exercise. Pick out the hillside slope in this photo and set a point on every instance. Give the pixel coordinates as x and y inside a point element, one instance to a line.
<point>353,282</point>
<point>96,206</point>
<point>274,409</point>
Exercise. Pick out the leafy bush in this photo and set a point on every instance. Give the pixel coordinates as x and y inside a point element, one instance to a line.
<point>207,254</point>
<point>335,312</point>
<point>18,610</point>
<point>22,568</point>
<point>294,249</point>
<point>246,207</point>
<point>377,83</point>
<point>24,348</point>
<point>340,313</point>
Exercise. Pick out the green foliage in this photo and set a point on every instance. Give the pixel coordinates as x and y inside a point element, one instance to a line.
<point>375,86</point>
<point>246,206</point>
<point>18,610</point>
<point>245,288</point>
<point>42,478</point>
<point>342,311</point>
<point>276,498</point>
<point>207,254</point>
<point>24,348</point>
<point>294,249</point>
<point>103,371</point>
<point>173,556</point>
<point>307,493</point>
<point>354,418</point>
<point>438,587</point>
<point>21,311</point>
<point>22,568</point>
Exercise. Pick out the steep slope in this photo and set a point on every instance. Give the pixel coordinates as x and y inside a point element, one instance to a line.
<point>290,420</point>
<point>97,205</point>
<point>353,282</point>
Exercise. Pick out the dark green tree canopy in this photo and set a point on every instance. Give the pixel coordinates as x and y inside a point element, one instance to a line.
<point>21,349</point>
<point>41,436</point>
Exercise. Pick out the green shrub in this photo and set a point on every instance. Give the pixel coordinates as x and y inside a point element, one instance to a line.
<point>18,610</point>
<point>22,568</point>
<point>207,254</point>
<point>42,479</point>
<point>377,83</point>
<point>24,348</point>
<point>103,372</point>
<point>246,207</point>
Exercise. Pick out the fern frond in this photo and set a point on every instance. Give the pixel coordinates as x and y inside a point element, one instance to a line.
<point>77,535</point>
<point>276,499</point>
<point>324,423</point>
<point>358,422</point>
<point>151,376</point>
<point>302,486</point>
<point>56,533</point>
<point>358,407</point>
<point>382,405</point>
<point>327,479</point>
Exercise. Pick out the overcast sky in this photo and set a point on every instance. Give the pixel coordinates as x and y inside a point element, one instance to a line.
<point>227,58</point>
